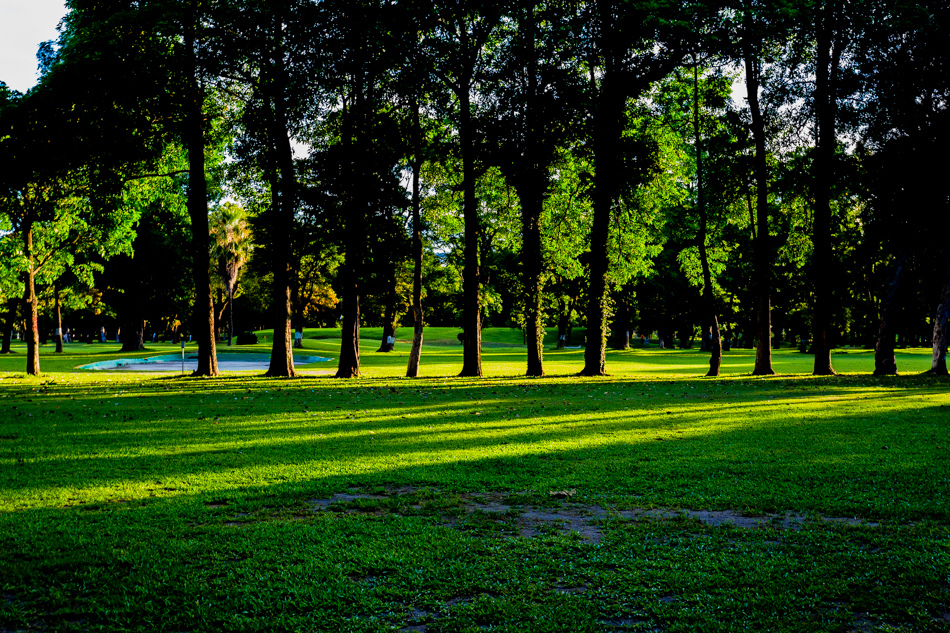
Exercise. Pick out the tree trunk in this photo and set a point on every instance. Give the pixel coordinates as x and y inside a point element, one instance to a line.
<point>230,313</point>
<point>942,327</point>
<point>823,177</point>
<point>31,307</point>
<point>349,365</point>
<point>203,316</point>
<point>621,326</point>
<point>710,319</point>
<point>388,342</point>
<point>608,126</point>
<point>471,291</point>
<point>133,335</point>
<point>529,175</point>
<point>284,206</point>
<point>564,323</point>
<point>885,362</point>
<point>762,247</point>
<point>59,320</point>
<point>12,305</point>
<point>415,354</point>
<point>282,353</point>
<point>412,370</point>
<point>532,201</point>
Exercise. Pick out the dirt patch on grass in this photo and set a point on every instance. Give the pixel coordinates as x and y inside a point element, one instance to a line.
<point>526,515</point>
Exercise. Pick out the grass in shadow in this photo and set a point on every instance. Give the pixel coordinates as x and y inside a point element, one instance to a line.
<point>142,502</point>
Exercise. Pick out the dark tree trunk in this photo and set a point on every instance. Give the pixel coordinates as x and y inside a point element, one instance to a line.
<point>415,354</point>
<point>12,305</point>
<point>471,291</point>
<point>59,320</point>
<point>710,319</point>
<point>608,126</point>
<point>282,353</point>
<point>283,207</point>
<point>619,80</point>
<point>885,362</point>
<point>133,335</point>
<point>942,327</point>
<point>564,323</point>
<point>203,317</point>
<point>529,174</point>
<point>349,365</point>
<point>388,342</point>
<point>827,57</point>
<point>31,307</point>
<point>230,313</point>
<point>762,247</point>
<point>532,200</point>
<point>621,326</point>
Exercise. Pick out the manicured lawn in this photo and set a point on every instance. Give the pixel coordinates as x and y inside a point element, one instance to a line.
<point>650,500</point>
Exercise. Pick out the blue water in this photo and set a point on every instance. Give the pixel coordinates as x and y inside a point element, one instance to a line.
<point>176,358</point>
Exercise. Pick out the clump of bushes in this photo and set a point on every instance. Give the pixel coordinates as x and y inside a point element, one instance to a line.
<point>246,338</point>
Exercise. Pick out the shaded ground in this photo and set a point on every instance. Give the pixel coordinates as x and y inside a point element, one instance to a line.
<point>142,503</point>
<point>521,515</point>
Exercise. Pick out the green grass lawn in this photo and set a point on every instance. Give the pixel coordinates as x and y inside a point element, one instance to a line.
<point>650,500</point>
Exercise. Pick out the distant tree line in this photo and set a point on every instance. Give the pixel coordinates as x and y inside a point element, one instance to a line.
<point>757,173</point>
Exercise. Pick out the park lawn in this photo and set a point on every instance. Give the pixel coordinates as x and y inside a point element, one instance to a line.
<point>650,500</point>
<point>436,335</point>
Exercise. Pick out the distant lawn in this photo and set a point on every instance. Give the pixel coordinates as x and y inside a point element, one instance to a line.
<point>503,355</point>
<point>651,500</point>
<point>447,335</point>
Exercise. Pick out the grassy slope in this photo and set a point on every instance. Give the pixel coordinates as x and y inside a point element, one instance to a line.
<point>143,502</point>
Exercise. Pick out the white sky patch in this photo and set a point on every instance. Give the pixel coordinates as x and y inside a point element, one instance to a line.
<point>739,92</point>
<point>301,150</point>
<point>24,24</point>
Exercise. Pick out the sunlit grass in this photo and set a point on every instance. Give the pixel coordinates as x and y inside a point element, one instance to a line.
<point>160,502</point>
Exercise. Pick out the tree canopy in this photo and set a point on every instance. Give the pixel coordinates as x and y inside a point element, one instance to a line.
<point>749,173</point>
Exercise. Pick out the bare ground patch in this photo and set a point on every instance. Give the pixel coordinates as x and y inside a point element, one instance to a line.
<point>558,514</point>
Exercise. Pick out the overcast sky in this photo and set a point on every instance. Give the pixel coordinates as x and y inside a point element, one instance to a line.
<point>23,25</point>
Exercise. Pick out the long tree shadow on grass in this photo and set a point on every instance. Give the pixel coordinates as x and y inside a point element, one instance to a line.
<point>231,539</point>
<point>863,448</point>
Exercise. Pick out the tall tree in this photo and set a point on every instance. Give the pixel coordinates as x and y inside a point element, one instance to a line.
<point>415,165</point>
<point>627,49</point>
<point>230,250</point>
<point>759,24</point>
<point>831,38</point>
<point>150,62</point>
<point>456,51</point>
<point>537,106</point>
<point>57,204</point>
<point>153,283</point>
<point>356,162</point>
<point>417,91</point>
<point>901,55</point>
<point>194,77</point>
<point>710,319</point>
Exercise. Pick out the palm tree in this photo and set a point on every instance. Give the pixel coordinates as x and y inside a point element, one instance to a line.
<point>231,248</point>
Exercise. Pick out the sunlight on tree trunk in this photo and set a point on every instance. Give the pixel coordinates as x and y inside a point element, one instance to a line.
<point>415,354</point>
<point>942,326</point>
<point>31,307</point>
<point>59,320</point>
